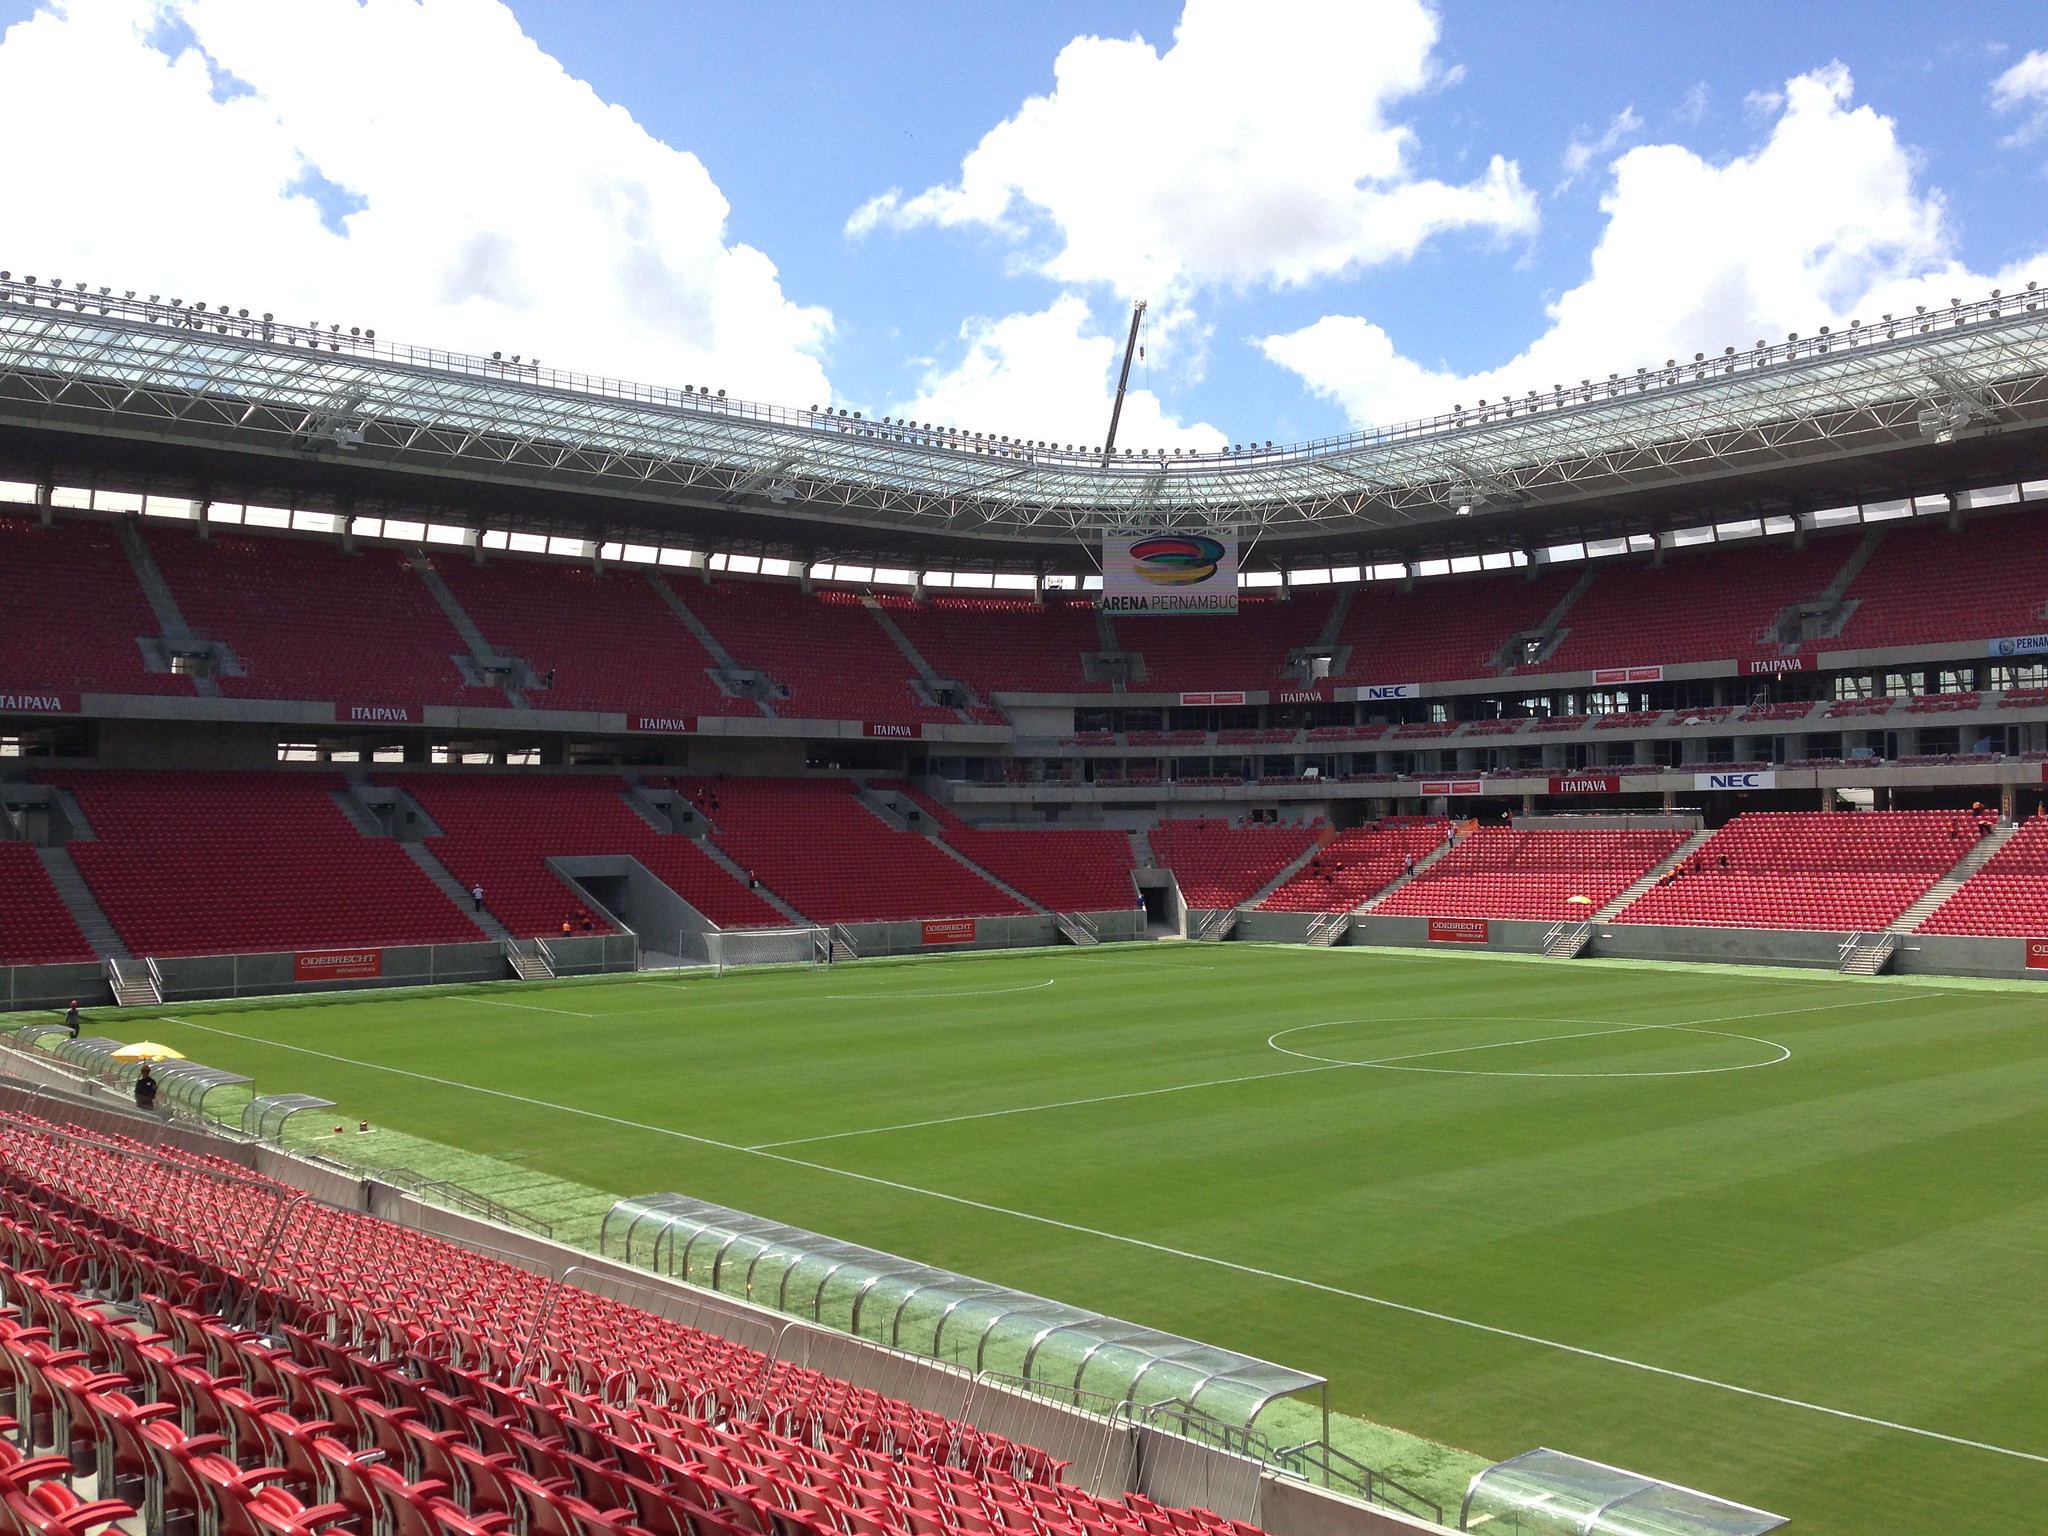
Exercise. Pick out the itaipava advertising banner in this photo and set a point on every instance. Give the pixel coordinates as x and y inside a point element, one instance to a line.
<point>1170,573</point>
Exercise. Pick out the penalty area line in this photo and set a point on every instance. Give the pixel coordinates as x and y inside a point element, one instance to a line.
<point>1428,1314</point>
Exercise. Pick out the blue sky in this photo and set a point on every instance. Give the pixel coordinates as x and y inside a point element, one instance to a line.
<point>1339,215</point>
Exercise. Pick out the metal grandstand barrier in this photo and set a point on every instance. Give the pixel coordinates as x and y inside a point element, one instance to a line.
<point>459,1197</point>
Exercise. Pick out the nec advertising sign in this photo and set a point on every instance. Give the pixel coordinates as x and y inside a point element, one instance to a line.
<point>2017,645</point>
<point>1763,779</point>
<point>1373,692</point>
<point>1170,573</point>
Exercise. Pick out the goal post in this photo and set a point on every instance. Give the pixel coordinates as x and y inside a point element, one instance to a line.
<point>768,946</point>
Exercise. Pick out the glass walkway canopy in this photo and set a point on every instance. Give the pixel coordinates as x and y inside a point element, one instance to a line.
<point>928,1311</point>
<point>1548,1493</point>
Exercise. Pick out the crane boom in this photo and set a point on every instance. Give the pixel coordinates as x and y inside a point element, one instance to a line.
<point>1123,381</point>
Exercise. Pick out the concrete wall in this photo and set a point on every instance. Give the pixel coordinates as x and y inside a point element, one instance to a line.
<point>264,975</point>
<point>52,986</point>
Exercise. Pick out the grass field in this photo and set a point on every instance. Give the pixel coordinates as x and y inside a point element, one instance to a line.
<point>1777,1236</point>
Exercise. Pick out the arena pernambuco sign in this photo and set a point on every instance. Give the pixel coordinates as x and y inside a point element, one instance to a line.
<point>1170,573</point>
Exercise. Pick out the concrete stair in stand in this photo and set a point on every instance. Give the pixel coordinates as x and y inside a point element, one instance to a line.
<point>83,906</point>
<point>1651,876</point>
<point>450,887</point>
<point>1979,855</point>
<point>1395,884</point>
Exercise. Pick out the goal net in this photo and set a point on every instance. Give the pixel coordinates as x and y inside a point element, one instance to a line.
<point>768,946</point>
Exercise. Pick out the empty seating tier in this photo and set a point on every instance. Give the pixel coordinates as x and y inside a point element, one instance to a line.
<point>835,660</point>
<point>813,843</point>
<point>35,925</point>
<point>400,1384</point>
<point>1004,645</point>
<point>307,621</point>
<point>1219,865</point>
<point>1844,871</point>
<point>1443,629</point>
<point>500,831</point>
<point>2008,897</point>
<point>1925,584</point>
<point>219,863</point>
<point>1715,605</point>
<point>594,642</point>
<point>1356,865</point>
<point>1511,872</point>
<point>1063,869</point>
<point>1246,650</point>
<point>73,612</point>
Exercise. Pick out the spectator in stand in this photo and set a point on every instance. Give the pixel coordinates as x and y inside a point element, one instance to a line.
<point>1407,863</point>
<point>145,1090</point>
<point>753,881</point>
<point>1955,828</point>
<point>1451,835</point>
<point>476,894</point>
<point>567,928</point>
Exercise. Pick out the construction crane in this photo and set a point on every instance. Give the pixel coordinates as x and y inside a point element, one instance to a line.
<point>1123,381</point>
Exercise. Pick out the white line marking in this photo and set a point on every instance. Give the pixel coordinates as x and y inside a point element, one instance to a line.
<point>1032,1109</point>
<point>1393,1063</point>
<point>890,997</point>
<point>1328,1065</point>
<point>498,1002</point>
<point>1233,1265</point>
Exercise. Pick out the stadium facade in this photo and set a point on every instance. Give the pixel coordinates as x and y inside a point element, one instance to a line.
<point>1796,577</point>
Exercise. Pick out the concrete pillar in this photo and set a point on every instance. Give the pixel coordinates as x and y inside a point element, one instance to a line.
<point>1670,799</point>
<point>1827,798</point>
<point>2005,801</point>
<point>1528,805</point>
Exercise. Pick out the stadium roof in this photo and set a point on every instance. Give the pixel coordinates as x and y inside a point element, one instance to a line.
<point>179,394</point>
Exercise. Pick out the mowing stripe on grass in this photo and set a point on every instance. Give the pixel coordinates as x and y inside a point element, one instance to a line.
<point>1147,1245</point>
<point>1327,1066</point>
<point>499,1002</point>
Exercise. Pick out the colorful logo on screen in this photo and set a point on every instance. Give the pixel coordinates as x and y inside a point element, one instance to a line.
<point>1176,560</point>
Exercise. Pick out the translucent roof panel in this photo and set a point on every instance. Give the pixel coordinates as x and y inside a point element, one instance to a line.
<point>929,1311</point>
<point>1549,1493</point>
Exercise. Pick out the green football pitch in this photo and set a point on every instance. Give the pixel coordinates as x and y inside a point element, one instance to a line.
<point>1781,1237</point>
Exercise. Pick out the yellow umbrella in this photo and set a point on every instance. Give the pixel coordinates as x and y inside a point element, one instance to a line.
<point>1578,901</point>
<point>148,1050</point>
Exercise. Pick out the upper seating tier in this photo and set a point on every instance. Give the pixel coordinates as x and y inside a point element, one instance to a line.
<point>608,641</point>
<point>308,621</point>
<point>71,611</point>
<point>2008,897</point>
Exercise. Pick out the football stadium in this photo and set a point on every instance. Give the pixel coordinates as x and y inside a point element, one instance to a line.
<point>593,958</point>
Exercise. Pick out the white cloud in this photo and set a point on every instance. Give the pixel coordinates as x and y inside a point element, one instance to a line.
<point>1581,151</point>
<point>1256,149</point>
<point>421,168</point>
<point>1048,377</point>
<point>2024,87</point>
<point>1823,223</point>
